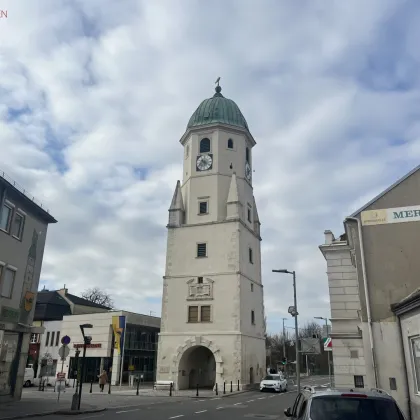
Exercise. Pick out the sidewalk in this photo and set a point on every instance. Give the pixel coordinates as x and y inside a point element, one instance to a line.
<point>30,407</point>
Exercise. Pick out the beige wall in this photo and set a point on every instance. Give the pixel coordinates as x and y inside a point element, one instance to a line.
<point>410,327</point>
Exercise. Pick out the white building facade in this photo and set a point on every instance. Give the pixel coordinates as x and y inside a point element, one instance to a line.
<point>136,356</point>
<point>213,327</point>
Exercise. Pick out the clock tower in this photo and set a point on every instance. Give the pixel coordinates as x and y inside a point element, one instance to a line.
<point>212,328</point>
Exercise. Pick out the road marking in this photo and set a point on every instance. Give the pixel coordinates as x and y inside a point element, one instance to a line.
<point>218,398</point>
<point>175,417</point>
<point>238,403</point>
<point>250,401</point>
<point>219,408</point>
<point>127,411</point>
<point>198,412</point>
<point>262,398</point>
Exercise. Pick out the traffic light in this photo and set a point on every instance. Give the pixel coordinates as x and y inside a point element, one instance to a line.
<point>284,361</point>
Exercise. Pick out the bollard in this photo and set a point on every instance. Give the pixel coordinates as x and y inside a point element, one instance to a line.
<point>231,386</point>
<point>238,384</point>
<point>224,387</point>
<point>74,381</point>
<point>138,385</point>
<point>43,385</point>
<point>170,389</point>
<point>197,391</point>
<point>91,386</point>
<point>40,384</point>
<point>217,391</point>
<point>109,387</point>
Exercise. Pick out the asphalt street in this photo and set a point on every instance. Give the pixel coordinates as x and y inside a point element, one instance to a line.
<point>243,406</point>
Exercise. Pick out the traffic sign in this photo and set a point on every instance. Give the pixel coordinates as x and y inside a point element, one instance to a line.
<point>61,376</point>
<point>64,351</point>
<point>50,361</point>
<point>328,344</point>
<point>65,340</point>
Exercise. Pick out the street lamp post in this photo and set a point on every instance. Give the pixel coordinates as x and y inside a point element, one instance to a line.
<point>294,312</point>
<point>86,340</point>
<point>329,362</point>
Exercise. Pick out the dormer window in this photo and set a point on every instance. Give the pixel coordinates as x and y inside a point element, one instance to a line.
<point>230,144</point>
<point>205,145</point>
<point>247,154</point>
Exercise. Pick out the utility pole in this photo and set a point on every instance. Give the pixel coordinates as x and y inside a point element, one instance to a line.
<point>293,310</point>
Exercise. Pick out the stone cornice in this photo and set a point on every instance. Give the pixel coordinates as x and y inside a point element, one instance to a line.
<point>239,220</point>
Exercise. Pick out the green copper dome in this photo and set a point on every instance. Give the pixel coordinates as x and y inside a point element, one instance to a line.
<point>217,109</point>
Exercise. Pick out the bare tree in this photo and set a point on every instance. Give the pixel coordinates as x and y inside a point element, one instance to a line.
<point>98,296</point>
<point>310,329</point>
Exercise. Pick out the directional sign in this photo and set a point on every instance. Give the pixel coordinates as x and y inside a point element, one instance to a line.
<point>50,361</point>
<point>65,340</point>
<point>328,344</point>
<point>63,352</point>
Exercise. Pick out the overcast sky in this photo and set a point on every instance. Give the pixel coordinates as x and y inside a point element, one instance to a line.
<point>95,95</point>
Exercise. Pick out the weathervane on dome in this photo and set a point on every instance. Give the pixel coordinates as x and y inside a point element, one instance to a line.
<point>217,81</point>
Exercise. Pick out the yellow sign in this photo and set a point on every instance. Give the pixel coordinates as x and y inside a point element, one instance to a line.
<point>394,215</point>
<point>29,301</point>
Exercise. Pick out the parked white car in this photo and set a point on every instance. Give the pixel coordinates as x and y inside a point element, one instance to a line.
<point>274,382</point>
<point>29,377</point>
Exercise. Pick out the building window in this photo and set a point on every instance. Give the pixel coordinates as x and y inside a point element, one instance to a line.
<point>205,314</point>
<point>34,338</point>
<point>251,260</point>
<point>252,287</point>
<point>193,314</point>
<point>57,339</point>
<point>187,151</point>
<point>249,215</point>
<point>247,154</point>
<point>203,207</point>
<point>205,145</point>
<point>17,226</point>
<point>415,346</point>
<point>200,280</point>
<point>230,144</point>
<point>52,338</point>
<point>358,381</point>
<point>5,217</point>
<point>47,339</point>
<point>201,250</point>
<point>252,317</point>
<point>7,284</point>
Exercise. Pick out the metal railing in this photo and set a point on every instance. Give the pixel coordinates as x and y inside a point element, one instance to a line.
<point>22,190</point>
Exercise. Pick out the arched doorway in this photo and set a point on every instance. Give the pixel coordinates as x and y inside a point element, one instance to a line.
<point>197,367</point>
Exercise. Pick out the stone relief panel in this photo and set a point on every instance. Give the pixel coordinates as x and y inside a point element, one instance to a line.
<point>200,288</point>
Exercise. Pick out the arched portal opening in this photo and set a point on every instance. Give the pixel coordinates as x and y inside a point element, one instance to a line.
<point>197,367</point>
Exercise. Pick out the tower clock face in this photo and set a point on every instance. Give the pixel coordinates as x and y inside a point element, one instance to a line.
<point>204,162</point>
<point>248,172</point>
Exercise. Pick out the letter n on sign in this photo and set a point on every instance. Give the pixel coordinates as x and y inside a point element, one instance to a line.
<point>3,14</point>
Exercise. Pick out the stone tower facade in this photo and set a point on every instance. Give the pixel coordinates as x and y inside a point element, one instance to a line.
<point>213,327</point>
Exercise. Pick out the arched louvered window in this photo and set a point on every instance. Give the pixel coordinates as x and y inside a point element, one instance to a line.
<point>247,154</point>
<point>205,145</point>
<point>230,144</point>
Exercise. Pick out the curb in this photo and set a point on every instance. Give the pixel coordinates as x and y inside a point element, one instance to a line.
<point>50,413</point>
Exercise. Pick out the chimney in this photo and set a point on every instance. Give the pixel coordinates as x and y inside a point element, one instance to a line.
<point>329,237</point>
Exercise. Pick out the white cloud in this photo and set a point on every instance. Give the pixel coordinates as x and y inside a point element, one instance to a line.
<point>95,96</point>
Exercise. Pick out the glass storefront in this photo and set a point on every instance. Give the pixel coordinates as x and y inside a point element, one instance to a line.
<point>10,344</point>
<point>140,352</point>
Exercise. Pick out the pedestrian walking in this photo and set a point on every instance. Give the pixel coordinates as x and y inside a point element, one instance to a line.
<point>103,379</point>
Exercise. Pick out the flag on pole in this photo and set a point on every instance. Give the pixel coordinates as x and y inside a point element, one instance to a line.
<point>118,326</point>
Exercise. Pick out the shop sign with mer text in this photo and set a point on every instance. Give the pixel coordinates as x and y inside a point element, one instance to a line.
<point>388,216</point>
<point>88,346</point>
